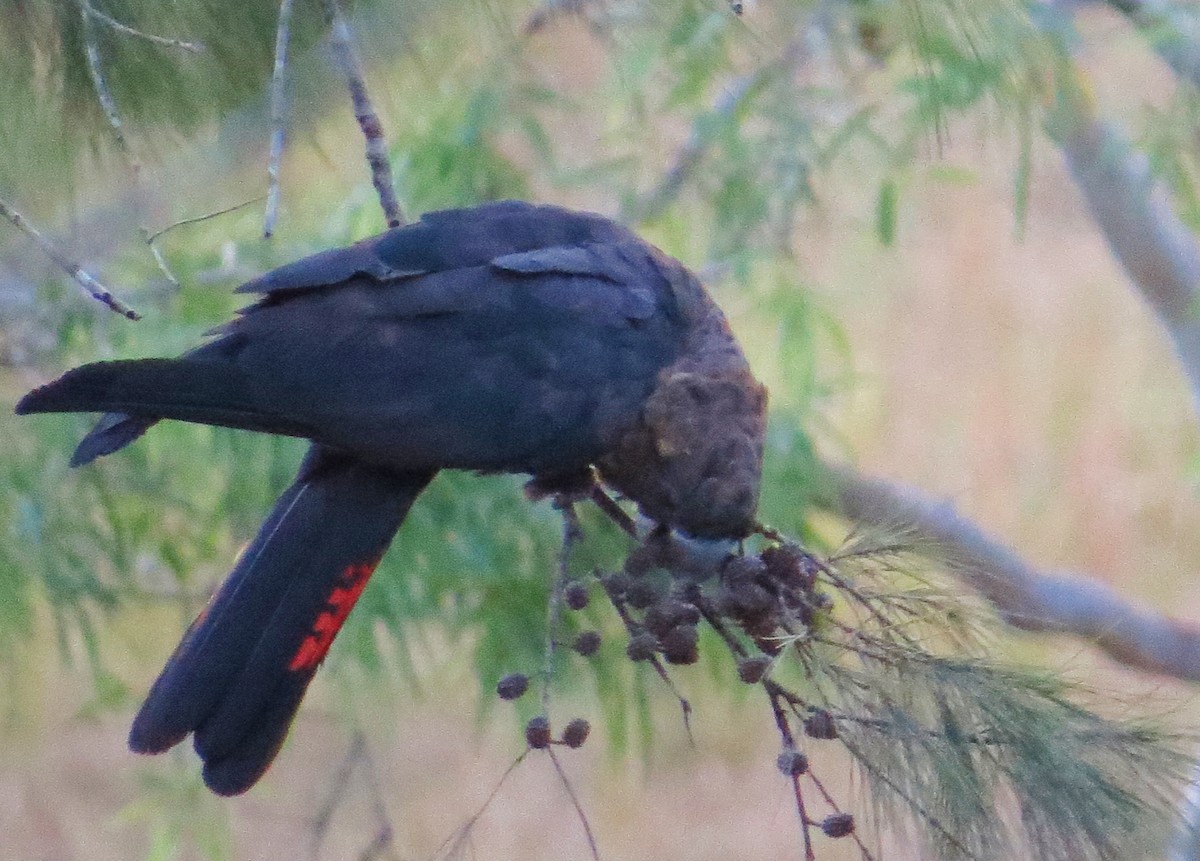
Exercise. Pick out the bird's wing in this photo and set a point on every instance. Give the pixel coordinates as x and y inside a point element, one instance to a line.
<point>530,336</point>
<point>440,241</point>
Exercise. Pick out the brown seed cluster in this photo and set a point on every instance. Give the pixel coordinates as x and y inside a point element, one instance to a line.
<point>663,594</point>
<point>770,594</point>
<point>657,599</point>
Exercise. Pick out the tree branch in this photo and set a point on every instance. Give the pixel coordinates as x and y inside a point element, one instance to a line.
<point>1025,597</point>
<point>109,106</point>
<point>161,41</point>
<point>1158,252</point>
<point>364,112</point>
<point>90,285</point>
<point>1174,31</point>
<point>278,115</point>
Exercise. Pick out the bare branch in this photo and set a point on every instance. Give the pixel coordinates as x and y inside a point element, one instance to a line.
<point>335,795</point>
<point>364,112</point>
<point>1174,30</point>
<point>109,106</point>
<point>1159,253</point>
<point>103,93</point>
<point>162,41</point>
<point>278,115</point>
<point>452,845</point>
<point>199,218</point>
<point>1025,597</point>
<point>90,285</point>
<point>572,534</point>
<point>579,811</point>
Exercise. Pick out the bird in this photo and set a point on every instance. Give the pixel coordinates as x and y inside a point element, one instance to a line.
<point>507,337</point>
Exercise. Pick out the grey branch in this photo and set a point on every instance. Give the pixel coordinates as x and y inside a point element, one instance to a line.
<point>109,106</point>
<point>162,41</point>
<point>90,285</point>
<point>1024,596</point>
<point>364,112</point>
<point>278,115</point>
<point>1158,252</point>
<point>197,219</point>
<point>1174,30</point>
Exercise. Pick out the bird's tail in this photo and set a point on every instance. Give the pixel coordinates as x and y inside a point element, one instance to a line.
<point>237,677</point>
<point>135,393</point>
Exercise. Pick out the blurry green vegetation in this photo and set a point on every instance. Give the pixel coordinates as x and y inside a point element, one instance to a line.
<point>474,111</point>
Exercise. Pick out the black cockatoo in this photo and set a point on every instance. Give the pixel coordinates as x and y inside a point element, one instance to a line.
<point>503,338</point>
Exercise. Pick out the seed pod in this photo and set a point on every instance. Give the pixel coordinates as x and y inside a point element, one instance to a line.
<point>512,686</point>
<point>679,645</point>
<point>641,647</point>
<point>682,655</point>
<point>678,612</point>
<point>787,563</point>
<point>838,825</point>
<point>587,643</point>
<point>576,733</point>
<point>752,669</point>
<point>681,637</point>
<point>537,732</point>
<point>750,599</point>
<point>793,763</point>
<point>576,595</point>
<point>616,584</point>
<point>742,569</point>
<point>820,724</point>
<point>641,594</point>
<point>762,626</point>
<point>668,613</point>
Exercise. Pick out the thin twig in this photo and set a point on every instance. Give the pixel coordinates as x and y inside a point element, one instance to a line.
<point>337,789</point>
<point>613,511</point>
<point>109,106</point>
<point>278,115</point>
<point>364,112</point>
<point>90,285</point>
<point>380,843</point>
<point>566,782</point>
<point>103,94</point>
<point>451,843</point>
<point>156,235</point>
<point>832,802</point>
<point>385,833</point>
<point>789,743</point>
<point>571,534</point>
<point>162,41</point>
<point>631,626</point>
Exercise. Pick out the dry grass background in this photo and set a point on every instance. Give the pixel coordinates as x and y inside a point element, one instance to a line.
<point>1020,377</point>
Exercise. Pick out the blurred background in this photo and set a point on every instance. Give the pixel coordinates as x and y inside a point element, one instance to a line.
<point>874,191</point>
